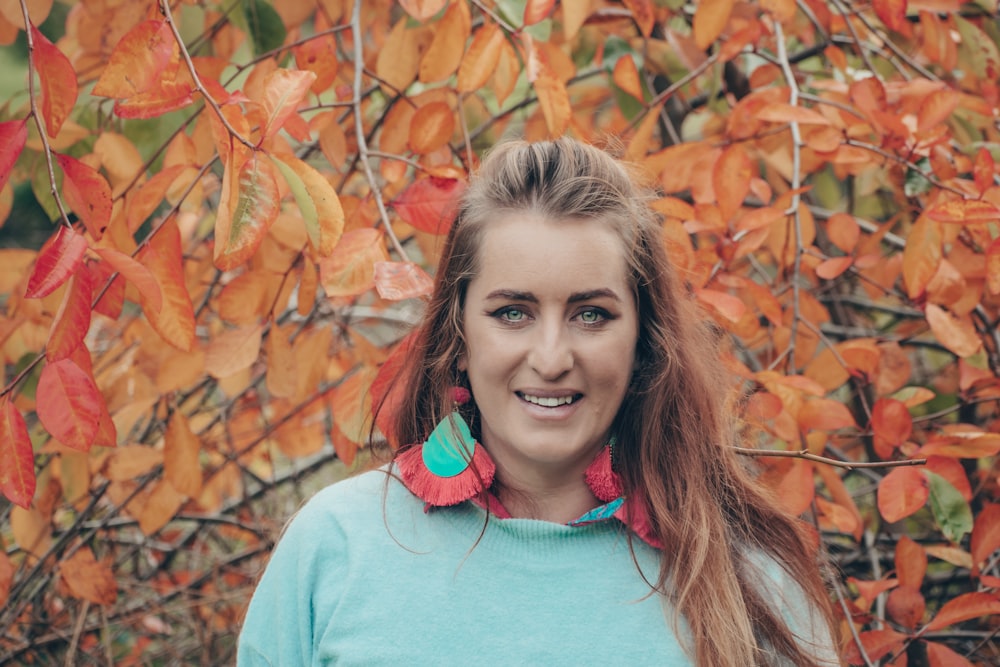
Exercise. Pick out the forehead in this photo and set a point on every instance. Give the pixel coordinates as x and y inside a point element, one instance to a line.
<point>566,254</point>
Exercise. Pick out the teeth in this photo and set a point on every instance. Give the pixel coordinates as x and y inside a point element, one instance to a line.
<point>549,401</point>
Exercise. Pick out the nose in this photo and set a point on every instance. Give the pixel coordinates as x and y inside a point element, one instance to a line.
<point>551,352</point>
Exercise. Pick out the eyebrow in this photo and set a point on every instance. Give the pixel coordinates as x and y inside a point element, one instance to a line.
<point>575,297</point>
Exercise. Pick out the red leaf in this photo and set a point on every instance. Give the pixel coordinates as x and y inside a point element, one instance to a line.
<point>386,390</point>
<point>58,79</point>
<point>877,644</point>
<point>964,607</point>
<point>891,12</point>
<point>113,298</point>
<point>138,61</point>
<point>983,169</point>
<point>891,424</point>
<point>135,273</point>
<point>985,534</point>
<point>401,280</point>
<point>429,204</point>
<point>57,261</point>
<point>13,136</point>
<point>911,562</point>
<point>68,404</point>
<point>939,655</point>
<point>901,493</point>
<point>71,323</point>
<point>17,458</point>
<point>87,193</point>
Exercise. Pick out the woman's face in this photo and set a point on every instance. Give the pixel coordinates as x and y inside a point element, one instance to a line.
<point>550,327</point>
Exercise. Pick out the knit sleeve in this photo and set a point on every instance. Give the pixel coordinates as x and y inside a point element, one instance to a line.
<point>299,585</point>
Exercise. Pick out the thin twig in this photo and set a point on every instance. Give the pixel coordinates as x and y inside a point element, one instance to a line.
<point>815,458</point>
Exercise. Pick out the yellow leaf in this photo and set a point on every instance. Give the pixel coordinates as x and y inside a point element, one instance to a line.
<point>282,369</point>
<point>161,506</point>
<point>575,13</point>
<point>318,201</point>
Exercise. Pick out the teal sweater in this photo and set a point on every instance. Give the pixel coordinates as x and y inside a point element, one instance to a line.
<point>349,584</point>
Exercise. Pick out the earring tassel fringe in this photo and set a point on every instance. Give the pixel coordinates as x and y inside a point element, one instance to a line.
<point>445,491</point>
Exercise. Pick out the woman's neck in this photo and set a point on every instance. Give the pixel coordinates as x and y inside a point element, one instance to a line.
<point>543,499</point>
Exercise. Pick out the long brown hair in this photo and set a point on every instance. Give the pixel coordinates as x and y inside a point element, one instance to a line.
<point>674,431</point>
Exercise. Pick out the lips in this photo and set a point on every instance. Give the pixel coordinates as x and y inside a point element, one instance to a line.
<point>549,401</point>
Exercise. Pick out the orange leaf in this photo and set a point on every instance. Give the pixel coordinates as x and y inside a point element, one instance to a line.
<point>283,92</point>
<point>68,404</point>
<point>11,11</point>
<point>901,493</point>
<point>386,392</point>
<point>113,298</point>
<point>537,10</point>
<point>731,179</point>
<point>481,58</point>
<point>674,208</point>
<point>258,200</point>
<point>174,320</point>
<point>430,204</point>
<point>401,280</point>
<point>135,273</point>
<point>431,127</point>
<point>955,333</point>
<point>167,96</point>
<point>643,13</point>
<point>892,13</point>
<point>964,607</point>
<point>145,199</point>
<point>58,82</point>
<point>985,533</point>
<point>626,76</point>
<point>829,269</point>
<point>758,218</point>
<point>13,136</point>
<point>444,55</point>
<point>87,193</point>
<point>72,321</point>
<point>181,448</point>
<point>891,424</point>
<point>906,606</point>
<point>242,299</point>
<point>710,19</point>
<point>968,446</point>
<point>921,255</point>
<point>350,270</point>
<point>58,259</point>
<point>911,562</point>
<point>725,304</point>
<point>88,579</point>
<point>575,13</point>
<point>161,506</point>
<point>137,61</point>
<point>17,457</point>
<point>423,10</point>
<point>936,107</point>
<point>779,112</point>
<point>131,461</point>
<point>319,56</point>
<point>351,404</point>
<point>982,170</point>
<point>233,350</point>
<point>282,369</point>
<point>554,101</point>
<point>964,211</point>
<point>824,414</point>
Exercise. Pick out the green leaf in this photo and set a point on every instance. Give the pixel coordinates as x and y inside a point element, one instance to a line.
<point>915,183</point>
<point>264,25</point>
<point>952,513</point>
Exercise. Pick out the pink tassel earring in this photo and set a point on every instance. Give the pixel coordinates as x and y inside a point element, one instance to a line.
<point>450,466</point>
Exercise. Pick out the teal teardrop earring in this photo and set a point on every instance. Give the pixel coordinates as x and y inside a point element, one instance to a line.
<point>450,466</point>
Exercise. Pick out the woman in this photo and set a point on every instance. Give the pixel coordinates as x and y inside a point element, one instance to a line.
<point>571,497</point>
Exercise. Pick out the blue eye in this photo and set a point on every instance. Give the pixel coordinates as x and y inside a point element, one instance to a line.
<point>511,314</point>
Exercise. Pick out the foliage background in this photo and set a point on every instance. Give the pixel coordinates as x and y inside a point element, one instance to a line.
<point>219,220</point>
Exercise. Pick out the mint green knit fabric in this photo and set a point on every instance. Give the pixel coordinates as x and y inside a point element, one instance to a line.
<point>349,584</point>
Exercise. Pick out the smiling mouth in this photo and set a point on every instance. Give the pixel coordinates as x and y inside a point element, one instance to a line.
<point>550,401</point>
